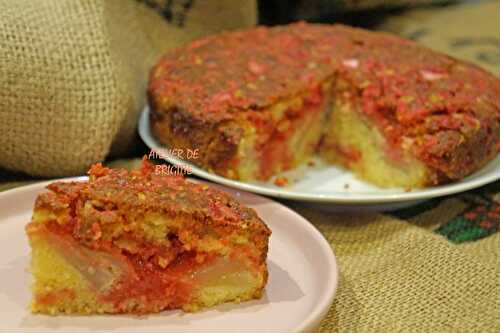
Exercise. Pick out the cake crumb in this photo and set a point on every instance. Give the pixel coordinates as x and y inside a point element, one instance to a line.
<point>346,186</point>
<point>281,181</point>
<point>311,163</point>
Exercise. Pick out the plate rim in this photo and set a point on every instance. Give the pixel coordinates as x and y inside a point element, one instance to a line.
<point>352,198</point>
<point>314,318</point>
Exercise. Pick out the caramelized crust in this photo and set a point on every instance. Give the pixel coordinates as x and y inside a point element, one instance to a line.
<point>144,190</point>
<point>216,92</point>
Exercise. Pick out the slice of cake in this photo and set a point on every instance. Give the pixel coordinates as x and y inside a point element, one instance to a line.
<point>140,242</point>
<point>263,100</point>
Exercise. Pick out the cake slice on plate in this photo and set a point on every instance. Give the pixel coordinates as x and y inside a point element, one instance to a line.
<point>140,242</point>
<point>260,101</point>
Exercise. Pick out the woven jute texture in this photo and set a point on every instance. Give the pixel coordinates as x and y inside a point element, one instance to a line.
<point>469,31</point>
<point>73,73</point>
<point>396,277</point>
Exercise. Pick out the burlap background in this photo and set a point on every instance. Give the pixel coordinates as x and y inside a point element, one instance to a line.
<point>73,73</point>
<point>398,274</point>
<point>468,31</point>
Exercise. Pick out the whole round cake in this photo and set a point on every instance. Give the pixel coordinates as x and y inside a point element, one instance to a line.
<point>264,100</point>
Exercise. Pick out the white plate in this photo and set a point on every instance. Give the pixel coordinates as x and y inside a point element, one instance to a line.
<point>302,280</point>
<point>328,184</point>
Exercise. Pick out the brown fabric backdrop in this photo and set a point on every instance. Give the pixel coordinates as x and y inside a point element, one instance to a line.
<point>73,73</point>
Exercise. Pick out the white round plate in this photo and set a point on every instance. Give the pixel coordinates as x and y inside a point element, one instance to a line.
<point>327,184</point>
<point>302,280</point>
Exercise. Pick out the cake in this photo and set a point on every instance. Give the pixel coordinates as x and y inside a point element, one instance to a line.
<point>136,242</point>
<point>260,101</point>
